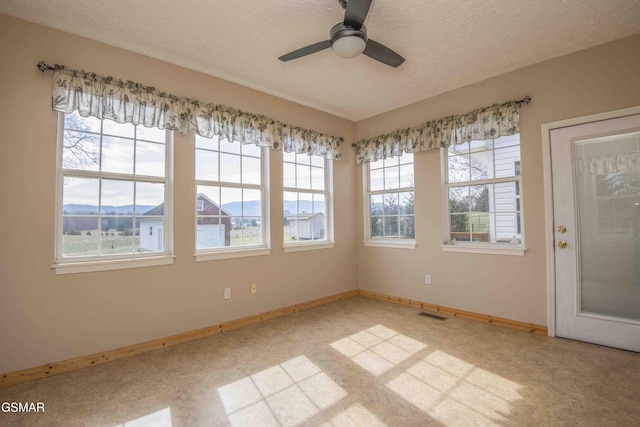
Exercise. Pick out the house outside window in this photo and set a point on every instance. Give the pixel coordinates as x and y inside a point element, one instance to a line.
<point>232,199</point>
<point>482,194</point>
<point>110,177</point>
<point>389,203</point>
<point>308,210</point>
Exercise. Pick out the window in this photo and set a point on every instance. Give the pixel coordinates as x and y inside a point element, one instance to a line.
<point>390,202</point>
<point>307,201</point>
<point>230,180</point>
<point>114,180</point>
<point>482,182</point>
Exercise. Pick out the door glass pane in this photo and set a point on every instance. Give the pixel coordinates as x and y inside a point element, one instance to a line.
<point>608,194</point>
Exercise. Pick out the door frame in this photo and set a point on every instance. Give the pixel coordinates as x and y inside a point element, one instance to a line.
<point>548,198</point>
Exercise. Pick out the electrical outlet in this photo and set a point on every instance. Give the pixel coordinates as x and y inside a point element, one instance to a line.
<point>254,288</point>
<point>227,293</point>
<point>427,279</point>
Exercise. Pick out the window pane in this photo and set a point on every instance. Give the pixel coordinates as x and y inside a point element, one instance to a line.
<point>303,177</point>
<point>151,134</point>
<point>506,160</point>
<point>317,161</point>
<point>229,167</point>
<point>231,199</point>
<point>80,150</point>
<point>251,150</point>
<point>507,227</point>
<point>303,159</point>
<point>391,177</point>
<point>80,195</point>
<point>505,196</point>
<point>150,234</point>
<point>117,236</point>
<point>376,179</point>
<point>459,199</point>
<point>459,168</point>
<point>229,147</point>
<point>319,205</point>
<point>208,195</point>
<point>391,226</point>
<point>80,235</point>
<point>459,226</point>
<point>207,143</point>
<point>479,198</point>
<point>289,174</point>
<point>150,158</point>
<point>406,158</point>
<point>207,165</point>
<point>251,203</point>
<point>377,226</point>
<point>391,161</point>
<point>290,209</point>
<point>391,204</point>
<point>116,197</point>
<point>251,232</point>
<point>481,165</point>
<point>289,157</point>
<point>406,176</point>
<point>455,150</point>
<point>117,155</point>
<point>87,124</point>
<point>317,178</point>
<point>149,197</point>
<point>110,127</point>
<point>407,202</point>
<point>376,204</point>
<point>251,173</point>
<point>407,227</point>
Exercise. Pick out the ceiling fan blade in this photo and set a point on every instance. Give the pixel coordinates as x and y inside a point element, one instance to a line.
<point>307,50</point>
<point>381,53</point>
<point>356,13</point>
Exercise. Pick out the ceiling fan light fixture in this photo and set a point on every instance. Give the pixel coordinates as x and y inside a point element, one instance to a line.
<point>348,42</point>
<point>349,46</point>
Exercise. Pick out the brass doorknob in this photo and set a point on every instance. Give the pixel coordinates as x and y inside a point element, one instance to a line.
<point>562,244</point>
<point>562,229</point>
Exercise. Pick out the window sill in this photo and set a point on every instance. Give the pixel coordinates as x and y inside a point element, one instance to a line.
<point>112,264</point>
<point>228,254</point>
<point>488,249</point>
<point>308,246</point>
<point>396,244</point>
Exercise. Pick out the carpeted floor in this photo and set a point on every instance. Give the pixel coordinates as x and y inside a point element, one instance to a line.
<point>356,362</point>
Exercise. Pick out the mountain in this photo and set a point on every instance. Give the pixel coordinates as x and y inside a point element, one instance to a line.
<point>107,209</point>
<point>252,207</point>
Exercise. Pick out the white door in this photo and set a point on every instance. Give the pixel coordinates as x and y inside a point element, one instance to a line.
<point>595,170</point>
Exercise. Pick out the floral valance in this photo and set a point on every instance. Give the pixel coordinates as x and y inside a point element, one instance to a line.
<point>480,124</point>
<point>106,97</point>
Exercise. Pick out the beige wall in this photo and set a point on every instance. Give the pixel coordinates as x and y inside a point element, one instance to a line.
<point>46,318</point>
<point>600,79</point>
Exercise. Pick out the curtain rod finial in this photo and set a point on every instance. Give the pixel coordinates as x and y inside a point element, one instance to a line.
<point>43,66</point>
<point>525,100</point>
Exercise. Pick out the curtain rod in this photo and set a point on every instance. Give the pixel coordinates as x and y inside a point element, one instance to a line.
<point>525,100</point>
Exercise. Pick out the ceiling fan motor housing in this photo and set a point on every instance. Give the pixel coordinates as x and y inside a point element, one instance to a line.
<point>341,30</point>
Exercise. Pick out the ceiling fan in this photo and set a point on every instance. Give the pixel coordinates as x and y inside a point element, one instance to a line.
<point>348,39</point>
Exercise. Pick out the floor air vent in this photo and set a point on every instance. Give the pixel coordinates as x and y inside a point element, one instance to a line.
<point>433,316</point>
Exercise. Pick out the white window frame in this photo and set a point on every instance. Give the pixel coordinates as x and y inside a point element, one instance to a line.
<point>85,264</point>
<point>228,252</point>
<point>491,248</point>
<point>328,241</point>
<point>384,242</point>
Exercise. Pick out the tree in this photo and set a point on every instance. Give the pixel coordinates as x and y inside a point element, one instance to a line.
<point>80,148</point>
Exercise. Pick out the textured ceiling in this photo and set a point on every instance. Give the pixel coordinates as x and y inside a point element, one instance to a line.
<point>447,43</point>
